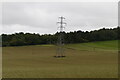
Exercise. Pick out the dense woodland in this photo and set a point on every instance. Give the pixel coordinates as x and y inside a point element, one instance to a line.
<point>20,39</point>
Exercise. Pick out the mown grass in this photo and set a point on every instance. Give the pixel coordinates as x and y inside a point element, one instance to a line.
<point>100,45</point>
<point>84,60</point>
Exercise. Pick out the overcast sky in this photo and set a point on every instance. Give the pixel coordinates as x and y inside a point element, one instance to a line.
<point>42,17</point>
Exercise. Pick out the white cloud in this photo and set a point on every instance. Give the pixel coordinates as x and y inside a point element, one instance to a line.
<point>15,28</point>
<point>42,17</point>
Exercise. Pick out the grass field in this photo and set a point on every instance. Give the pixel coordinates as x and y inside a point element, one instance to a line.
<point>84,60</point>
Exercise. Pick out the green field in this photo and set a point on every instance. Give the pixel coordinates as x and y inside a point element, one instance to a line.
<point>84,60</point>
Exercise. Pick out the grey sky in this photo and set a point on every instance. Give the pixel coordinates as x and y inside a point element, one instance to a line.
<point>42,17</point>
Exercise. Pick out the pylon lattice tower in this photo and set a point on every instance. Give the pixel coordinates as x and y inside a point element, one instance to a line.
<point>60,42</point>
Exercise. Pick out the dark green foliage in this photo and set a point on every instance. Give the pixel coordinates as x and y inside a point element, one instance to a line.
<point>20,39</point>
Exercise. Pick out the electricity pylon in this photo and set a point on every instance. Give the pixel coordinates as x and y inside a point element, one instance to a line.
<point>60,42</point>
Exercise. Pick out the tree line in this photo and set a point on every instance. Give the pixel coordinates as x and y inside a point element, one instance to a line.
<point>21,39</point>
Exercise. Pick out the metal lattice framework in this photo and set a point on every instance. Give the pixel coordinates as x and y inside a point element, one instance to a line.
<point>60,42</point>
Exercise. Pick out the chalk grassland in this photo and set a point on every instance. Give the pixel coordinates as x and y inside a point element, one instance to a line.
<point>84,60</point>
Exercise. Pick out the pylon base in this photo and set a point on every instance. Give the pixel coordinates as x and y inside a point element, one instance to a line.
<point>59,56</point>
